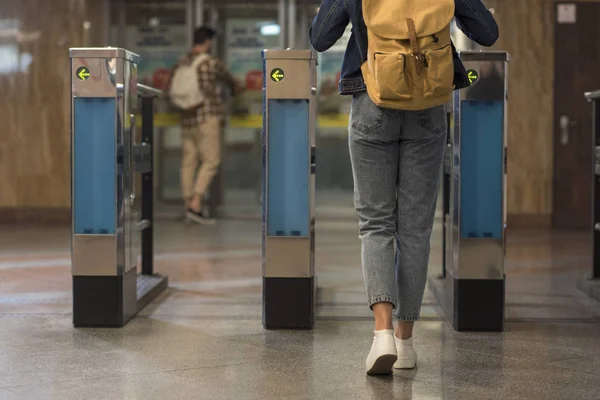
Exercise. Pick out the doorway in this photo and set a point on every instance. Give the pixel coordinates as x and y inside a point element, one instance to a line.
<point>577,40</point>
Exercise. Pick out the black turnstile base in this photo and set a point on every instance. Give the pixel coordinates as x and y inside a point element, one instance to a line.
<point>111,301</point>
<point>288,303</point>
<point>471,304</point>
<point>150,287</point>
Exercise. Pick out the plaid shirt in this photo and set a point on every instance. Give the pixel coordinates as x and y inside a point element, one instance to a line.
<point>210,74</point>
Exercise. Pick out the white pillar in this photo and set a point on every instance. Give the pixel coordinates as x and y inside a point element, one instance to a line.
<point>214,23</point>
<point>281,11</point>
<point>189,22</point>
<point>303,42</point>
<point>291,23</point>
<point>199,13</point>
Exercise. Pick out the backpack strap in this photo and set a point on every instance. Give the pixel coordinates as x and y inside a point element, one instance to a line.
<point>414,45</point>
<point>200,59</point>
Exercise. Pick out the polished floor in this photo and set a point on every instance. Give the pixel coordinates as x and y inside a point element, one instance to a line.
<point>203,338</point>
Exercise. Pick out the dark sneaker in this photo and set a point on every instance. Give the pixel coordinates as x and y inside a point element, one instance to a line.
<point>198,218</point>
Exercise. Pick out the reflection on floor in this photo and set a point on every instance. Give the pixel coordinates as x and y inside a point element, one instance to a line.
<point>246,203</point>
<point>203,338</point>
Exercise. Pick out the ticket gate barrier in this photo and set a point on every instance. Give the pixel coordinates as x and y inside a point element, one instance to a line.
<point>591,283</point>
<point>290,80</point>
<point>111,189</point>
<point>472,288</point>
<point>594,98</point>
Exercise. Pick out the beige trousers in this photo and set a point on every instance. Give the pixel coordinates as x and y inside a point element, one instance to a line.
<point>200,144</point>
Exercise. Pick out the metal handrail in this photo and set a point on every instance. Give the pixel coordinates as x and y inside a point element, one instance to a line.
<point>591,96</point>
<point>148,91</point>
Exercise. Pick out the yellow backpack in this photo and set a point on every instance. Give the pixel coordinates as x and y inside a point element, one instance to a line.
<point>409,64</point>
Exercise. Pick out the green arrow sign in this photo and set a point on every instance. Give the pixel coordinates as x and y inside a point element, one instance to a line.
<point>277,75</point>
<point>83,73</point>
<point>473,76</point>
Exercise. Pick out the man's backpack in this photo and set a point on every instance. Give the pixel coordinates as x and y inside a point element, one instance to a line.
<point>184,91</point>
<point>409,64</point>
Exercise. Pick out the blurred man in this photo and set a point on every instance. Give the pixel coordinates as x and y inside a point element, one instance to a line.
<point>195,90</point>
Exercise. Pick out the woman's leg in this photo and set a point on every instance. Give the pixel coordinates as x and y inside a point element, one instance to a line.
<point>421,155</point>
<point>374,144</point>
<point>374,154</point>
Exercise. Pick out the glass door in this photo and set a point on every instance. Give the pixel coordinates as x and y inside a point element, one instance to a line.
<point>159,31</point>
<point>246,28</point>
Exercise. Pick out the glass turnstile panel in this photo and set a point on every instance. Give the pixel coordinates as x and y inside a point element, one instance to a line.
<point>481,169</point>
<point>247,30</point>
<point>95,163</point>
<point>288,175</point>
<point>334,183</point>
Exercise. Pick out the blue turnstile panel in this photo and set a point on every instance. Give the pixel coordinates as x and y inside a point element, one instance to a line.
<point>94,165</point>
<point>481,169</point>
<point>288,172</point>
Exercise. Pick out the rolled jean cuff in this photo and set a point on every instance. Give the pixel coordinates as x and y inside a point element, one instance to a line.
<point>381,299</point>
<point>406,317</point>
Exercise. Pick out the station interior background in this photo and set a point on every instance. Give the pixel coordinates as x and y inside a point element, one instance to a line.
<point>215,272</point>
<point>37,36</point>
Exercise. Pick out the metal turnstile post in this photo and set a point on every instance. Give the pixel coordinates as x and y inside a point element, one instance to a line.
<point>148,185</point>
<point>594,98</point>
<point>472,289</point>
<point>149,283</point>
<point>289,189</point>
<point>590,284</point>
<point>108,220</point>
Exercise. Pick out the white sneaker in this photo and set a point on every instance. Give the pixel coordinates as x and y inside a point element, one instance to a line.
<point>407,356</point>
<point>383,353</point>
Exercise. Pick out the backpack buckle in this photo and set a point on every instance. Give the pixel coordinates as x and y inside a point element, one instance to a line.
<point>420,62</point>
<point>414,44</point>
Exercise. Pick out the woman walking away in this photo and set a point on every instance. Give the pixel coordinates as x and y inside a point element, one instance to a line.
<point>400,67</point>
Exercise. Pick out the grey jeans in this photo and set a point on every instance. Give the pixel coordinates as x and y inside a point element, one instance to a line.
<point>396,162</point>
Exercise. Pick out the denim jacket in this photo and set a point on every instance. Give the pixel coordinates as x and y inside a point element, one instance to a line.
<point>472,17</point>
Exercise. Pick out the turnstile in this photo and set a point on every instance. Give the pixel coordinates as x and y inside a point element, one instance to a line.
<point>289,189</point>
<point>112,212</point>
<point>591,283</point>
<point>472,288</point>
<point>594,98</point>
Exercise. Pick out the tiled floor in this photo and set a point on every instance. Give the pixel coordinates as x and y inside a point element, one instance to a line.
<point>203,338</point>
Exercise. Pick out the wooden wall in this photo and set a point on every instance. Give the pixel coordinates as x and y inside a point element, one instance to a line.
<point>34,105</point>
<point>35,102</point>
<point>527,33</point>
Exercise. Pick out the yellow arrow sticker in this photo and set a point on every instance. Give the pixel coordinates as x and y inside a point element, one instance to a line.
<point>473,76</point>
<point>277,75</point>
<point>83,73</point>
